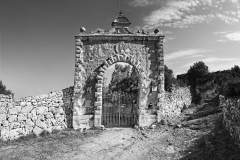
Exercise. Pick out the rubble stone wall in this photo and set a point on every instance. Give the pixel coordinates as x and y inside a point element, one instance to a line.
<point>231,117</point>
<point>36,114</point>
<point>174,102</point>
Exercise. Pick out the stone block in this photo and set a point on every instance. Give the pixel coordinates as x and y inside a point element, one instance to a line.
<point>41,110</point>
<point>97,122</point>
<point>161,77</point>
<point>26,109</point>
<point>29,122</point>
<point>5,123</point>
<point>161,68</point>
<point>98,94</point>
<point>99,107</point>
<point>2,110</point>
<point>37,130</point>
<point>99,89</point>
<point>10,105</point>
<point>40,124</point>
<point>98,112</point>
<point>99,103</point>
<point>13,111</point>
<point>12,118</point>
<point>21,117</point>
<point>2,117</point>
<point>23,103</point>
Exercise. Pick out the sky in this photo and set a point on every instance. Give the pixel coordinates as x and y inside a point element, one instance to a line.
<point>37,36</point>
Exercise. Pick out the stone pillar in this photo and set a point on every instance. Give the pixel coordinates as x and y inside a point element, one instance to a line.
<point>98,102</point>
<point>79,81</point>
<point>160,104</point>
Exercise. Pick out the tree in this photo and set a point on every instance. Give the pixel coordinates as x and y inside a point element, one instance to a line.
<point>125,79</point>
<point>235,70</point>
<point>169,79</point>
<point>196,75</point>
<point>3,89</point>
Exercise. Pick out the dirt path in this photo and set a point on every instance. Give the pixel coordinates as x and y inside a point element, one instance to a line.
<point>111,144</point>
<point>124,144</point>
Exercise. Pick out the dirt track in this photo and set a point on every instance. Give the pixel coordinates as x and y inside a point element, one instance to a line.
<point>123,143</point>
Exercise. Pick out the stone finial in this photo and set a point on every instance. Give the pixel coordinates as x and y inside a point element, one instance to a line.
<point>156,31</point>
<point>82,30</point>
<point>121,21</point>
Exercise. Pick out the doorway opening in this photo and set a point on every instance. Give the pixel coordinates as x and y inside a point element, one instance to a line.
<point>120,96</point>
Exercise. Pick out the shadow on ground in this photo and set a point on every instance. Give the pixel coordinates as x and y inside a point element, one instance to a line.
<point>216,144</point>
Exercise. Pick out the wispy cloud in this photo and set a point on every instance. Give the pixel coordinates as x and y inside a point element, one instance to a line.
<point>227,19</point>
<point>235,36</point>
<point>182,13</point>
<point>210,60</point>
<point>185,53</point>
<point>140,3</point>
<point>229,36</point>
<point>145,3</point>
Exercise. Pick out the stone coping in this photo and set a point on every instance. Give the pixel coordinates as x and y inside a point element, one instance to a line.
<point>120,36</point>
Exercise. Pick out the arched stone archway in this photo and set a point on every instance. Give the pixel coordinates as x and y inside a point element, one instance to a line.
<point>96,51</point>
<point>118,57</point>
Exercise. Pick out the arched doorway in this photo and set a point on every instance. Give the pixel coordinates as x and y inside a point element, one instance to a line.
<point>120,96</point>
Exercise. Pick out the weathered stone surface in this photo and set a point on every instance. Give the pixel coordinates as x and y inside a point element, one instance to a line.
<point>13,111</point>
<point>2,110</point>
<point>26,109</point>
<point>37,130</point>
<point>40,124</point>
<point>29,122</point>
<point>2,117</point>
<point>12,118</point>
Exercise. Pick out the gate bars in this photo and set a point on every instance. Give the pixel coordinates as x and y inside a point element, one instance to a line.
<point>119,110</point>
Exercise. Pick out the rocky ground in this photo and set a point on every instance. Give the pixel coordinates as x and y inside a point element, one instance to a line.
<point>196,134</point>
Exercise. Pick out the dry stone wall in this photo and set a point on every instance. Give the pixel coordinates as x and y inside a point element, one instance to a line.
<point>175,101</point>
<point>231,117</point>
<point>36,114</point>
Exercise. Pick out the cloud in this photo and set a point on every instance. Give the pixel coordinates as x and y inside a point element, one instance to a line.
<point>235,36</point>
<point>184,53</point>
<point>210,60</point>
<point>222,66</point>
<point>185,13</point>
<point>227,19</point>
<point>191,20</point>
<point>229,36</point>
<point>140,3</point>
<point>223,32</point>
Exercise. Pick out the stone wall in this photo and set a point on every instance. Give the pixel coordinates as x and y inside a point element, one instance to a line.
<point>231,117</point>
<point>36,114</point>
<point>174,102</point>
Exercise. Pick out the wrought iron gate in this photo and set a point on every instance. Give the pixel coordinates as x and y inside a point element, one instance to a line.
<point>119,110</point>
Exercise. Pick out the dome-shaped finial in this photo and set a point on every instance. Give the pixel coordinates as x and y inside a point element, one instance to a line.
<point>121,21</point>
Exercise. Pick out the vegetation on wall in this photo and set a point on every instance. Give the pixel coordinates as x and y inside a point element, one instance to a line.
<point>3,89</point>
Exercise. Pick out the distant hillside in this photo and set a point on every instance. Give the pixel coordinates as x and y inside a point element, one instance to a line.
<point>226,82</point>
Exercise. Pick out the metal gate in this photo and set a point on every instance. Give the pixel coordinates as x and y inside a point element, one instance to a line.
<point>119,110</point>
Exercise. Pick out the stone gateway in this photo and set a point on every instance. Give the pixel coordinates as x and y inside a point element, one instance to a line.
<point>83,105</point>
<point>98,50</point>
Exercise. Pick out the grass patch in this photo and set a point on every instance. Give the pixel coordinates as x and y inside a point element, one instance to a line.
<point>46,145</point>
